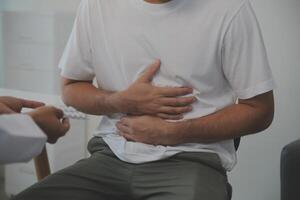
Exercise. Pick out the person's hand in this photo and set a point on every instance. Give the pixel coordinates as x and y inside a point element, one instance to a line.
<point>51,120</point>
<point>10,105</point>
<point>148,130</point>
<point>4,109</point>
<point>142,98</point>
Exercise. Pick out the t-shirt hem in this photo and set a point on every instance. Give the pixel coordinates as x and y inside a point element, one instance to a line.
<point>134,158</point>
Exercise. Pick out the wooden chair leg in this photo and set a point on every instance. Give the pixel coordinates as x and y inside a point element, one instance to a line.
<point>42,166</point>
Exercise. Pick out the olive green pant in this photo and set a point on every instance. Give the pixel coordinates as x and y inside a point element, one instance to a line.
<point>185,176</point>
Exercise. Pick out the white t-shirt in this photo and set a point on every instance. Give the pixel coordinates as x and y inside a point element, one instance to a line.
<point>214,46</point>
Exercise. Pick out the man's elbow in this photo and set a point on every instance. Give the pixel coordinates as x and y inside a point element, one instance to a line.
<point>263,111</point>
<point>266,118</point>
<point>65,93</point>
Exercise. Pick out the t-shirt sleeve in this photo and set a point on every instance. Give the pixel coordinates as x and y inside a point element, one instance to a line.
<point>244,58</point>
<point>76,62</point>
<point>20,138</point>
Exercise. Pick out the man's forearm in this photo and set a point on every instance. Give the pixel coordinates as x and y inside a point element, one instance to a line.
<point>232,122</point>
<point>88,99</point>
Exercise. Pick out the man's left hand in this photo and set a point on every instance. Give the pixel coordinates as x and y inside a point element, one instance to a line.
<point>147,129</point>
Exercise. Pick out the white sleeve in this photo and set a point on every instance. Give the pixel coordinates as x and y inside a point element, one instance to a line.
<point>244,56</point>
<point>76,62</point>
<point>20,138</point>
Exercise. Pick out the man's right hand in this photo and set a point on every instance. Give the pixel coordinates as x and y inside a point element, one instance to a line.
<point>51,120</point>
<point>143,98</point>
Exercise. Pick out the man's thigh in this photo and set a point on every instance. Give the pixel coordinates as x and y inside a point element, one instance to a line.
<point>99,177</point>
<point>187,176</point>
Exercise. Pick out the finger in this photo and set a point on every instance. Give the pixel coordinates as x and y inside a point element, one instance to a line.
<point>31,104</point>
<point>179,101</point>
<point>175,91</point>
<point>126,120</point>
<point>123,128</point>
<point>169,117</point>
<point>149,73</point>
<point>65,125</point>
<point>176,110</point>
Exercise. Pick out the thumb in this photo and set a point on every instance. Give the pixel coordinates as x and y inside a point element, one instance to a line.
<point>149,73</point>
<point>65,125</point>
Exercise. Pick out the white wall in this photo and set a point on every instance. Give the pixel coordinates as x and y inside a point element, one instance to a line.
<point>1,75</point>
<point>41,5</point>
<point>257,174</point>
<point>1,46</point>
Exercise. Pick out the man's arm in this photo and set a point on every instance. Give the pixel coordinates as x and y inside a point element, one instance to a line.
<point>247,117</point>
<point>85,97</point>
<point>139,98</point>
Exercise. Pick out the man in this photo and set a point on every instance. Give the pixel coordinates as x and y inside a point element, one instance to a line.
<point>22,136</point>
<point>168,127</point>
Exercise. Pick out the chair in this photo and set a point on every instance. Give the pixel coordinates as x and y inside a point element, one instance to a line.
<point>290,171</point>
<point>42,166</point>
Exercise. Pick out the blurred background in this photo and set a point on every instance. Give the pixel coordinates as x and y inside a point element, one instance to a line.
<point>33,34</point>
